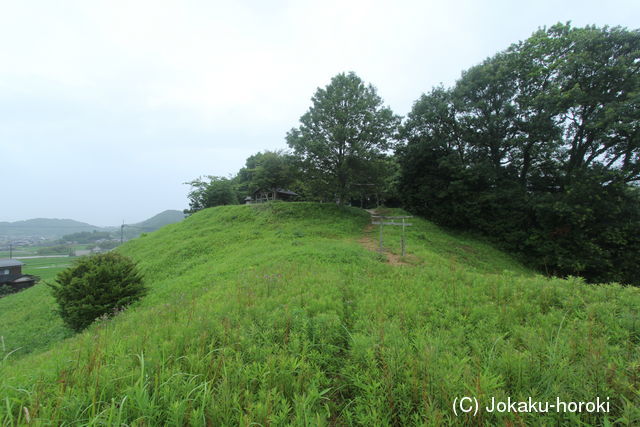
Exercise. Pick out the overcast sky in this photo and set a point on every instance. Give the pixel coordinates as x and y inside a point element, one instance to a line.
<point>106,108</point>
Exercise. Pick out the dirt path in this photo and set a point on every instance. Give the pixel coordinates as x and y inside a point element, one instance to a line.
<point>370,240</point>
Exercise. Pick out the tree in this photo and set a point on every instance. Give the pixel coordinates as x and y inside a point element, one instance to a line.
<point>344,131</point>
<point>539,148</point>
<point>269,170</point>
<point>209,192</point>
<point>95,286</point>
<point>273,172</point>
<point>85,237</point>
<point>588,86</point>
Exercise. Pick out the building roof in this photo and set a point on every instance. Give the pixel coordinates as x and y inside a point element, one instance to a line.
<point>289,192</point>
<point>278,190</point>
<point>23,279</point>
<point>6,262</point>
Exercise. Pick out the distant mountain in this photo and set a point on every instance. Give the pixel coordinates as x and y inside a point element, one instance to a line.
<point>152,224</point>
<point>44,227</point>
<point>49,228</point>
<point>162,219</point>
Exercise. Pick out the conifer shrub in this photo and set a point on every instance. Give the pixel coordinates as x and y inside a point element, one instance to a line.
<point>96,286</point>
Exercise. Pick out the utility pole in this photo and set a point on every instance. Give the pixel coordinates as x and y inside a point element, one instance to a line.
<point>122,232</point>
<point>10,250</point>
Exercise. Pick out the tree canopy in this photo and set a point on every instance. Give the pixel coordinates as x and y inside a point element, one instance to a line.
<point>209,192</point>
<point>538,147</point>
<point>343,133</point>
<point>269,170</point>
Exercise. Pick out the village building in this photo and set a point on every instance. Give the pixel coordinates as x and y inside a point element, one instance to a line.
<point>264,195</point>
<point>12,277</point>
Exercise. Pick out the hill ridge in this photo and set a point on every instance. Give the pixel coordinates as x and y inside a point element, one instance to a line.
<point>276,314</point>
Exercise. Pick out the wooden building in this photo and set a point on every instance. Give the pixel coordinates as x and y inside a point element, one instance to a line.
<point>12,277</point>
<point>264,195</point>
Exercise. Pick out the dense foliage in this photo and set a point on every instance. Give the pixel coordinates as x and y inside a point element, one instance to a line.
<point>340,152</point>
<point>55,250</point>
<point>209,192</point>
<point>96,286</point>
<point>86,236</point>
<point>539,148</point>
<point>269,171</point>
<point>342,140</point>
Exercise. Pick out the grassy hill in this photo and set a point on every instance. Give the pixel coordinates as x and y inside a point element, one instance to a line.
<point>131,231</point>
<point>282,314</point>
<point>160,220</point>
<point>27,320</point>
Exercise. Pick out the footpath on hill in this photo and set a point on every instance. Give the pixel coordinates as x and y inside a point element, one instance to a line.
<point>370,241</point>
<point>276,314</point>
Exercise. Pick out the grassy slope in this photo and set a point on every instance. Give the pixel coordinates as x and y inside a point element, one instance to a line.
<point>27,321</point>
<point>276,314</point>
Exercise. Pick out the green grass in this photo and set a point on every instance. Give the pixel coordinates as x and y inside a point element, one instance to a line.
<point>275,315</point>
<point>23,251</point>
<point>47,267</point>
<point>27,319</point>
<point>20,251</point>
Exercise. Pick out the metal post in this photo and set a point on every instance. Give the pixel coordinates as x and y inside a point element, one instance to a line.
<point>402,241</point>
<point>389,220</point>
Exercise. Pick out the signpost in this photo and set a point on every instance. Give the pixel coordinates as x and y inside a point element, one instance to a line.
<point>391,220</point>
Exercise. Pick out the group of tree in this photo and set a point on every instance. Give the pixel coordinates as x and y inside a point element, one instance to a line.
<point>537,147</point>
<point>343,142</point>
<point>86,237</point>
<point>341,152</point>
<point>271,170</point>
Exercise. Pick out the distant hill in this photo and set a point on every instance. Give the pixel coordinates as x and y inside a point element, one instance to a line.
<point>162,219</point>
<point>44,227</point>
<point>50,228</point>
<point>152,224</point>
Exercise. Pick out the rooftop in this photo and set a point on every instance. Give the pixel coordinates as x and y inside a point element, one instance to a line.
<point>6,262</point>
<point>278,190</point>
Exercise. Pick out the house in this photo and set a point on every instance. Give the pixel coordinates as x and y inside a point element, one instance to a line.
<point>11,275</point>
<point>264,195</point>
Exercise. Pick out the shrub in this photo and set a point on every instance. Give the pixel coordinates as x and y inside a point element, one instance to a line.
<point>95,286</point>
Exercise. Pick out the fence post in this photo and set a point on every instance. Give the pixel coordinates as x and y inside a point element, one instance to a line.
<point>403,252</point>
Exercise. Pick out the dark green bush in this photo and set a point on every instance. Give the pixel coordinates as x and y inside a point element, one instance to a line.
<point>96,286</point>
<point>5,290</point>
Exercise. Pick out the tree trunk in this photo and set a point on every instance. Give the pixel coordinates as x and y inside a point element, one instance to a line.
<point>342,186</point>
